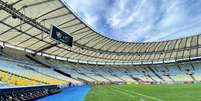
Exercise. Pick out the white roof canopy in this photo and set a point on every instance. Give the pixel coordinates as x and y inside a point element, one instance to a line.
<point>26,24</point>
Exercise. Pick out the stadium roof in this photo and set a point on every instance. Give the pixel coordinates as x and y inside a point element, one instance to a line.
<point>25,24</point>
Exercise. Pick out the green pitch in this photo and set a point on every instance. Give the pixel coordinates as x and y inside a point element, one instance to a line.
<point>132,92</point>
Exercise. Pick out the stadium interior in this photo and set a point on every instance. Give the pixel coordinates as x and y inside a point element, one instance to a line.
<point>33,65</point>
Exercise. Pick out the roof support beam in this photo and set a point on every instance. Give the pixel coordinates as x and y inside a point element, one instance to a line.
<point>106,43</point>
<point>112,45</point>
<point>9,9</point>
<point>38,3</point>
<point>45,48</point>
<point>95,38</point>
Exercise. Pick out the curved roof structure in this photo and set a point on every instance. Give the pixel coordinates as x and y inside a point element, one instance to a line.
<point>25,24</point>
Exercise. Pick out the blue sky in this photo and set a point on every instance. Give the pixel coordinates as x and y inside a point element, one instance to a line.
<point>141,20</point>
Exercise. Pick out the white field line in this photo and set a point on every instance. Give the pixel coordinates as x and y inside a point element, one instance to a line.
<point>126,91</point>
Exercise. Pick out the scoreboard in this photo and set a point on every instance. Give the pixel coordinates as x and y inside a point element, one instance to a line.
<point>61,36</point>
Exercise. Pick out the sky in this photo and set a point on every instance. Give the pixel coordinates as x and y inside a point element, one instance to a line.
<point>140,20</point>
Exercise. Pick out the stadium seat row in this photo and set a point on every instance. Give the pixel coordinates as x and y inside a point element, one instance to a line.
<point>16,80</point>
<point>33,79</point>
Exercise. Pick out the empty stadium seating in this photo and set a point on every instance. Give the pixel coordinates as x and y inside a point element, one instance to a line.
<point>159,74</point>
<point>23,71</point>
<point>4,85</point>
<point>22,75</point>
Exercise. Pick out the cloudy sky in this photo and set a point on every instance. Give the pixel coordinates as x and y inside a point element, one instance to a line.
<point>141,20</point>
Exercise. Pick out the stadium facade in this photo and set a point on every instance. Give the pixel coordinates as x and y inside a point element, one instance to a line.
<point>29,54</point>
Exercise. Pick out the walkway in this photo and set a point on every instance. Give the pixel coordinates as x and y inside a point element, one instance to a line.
<point>69,94</point>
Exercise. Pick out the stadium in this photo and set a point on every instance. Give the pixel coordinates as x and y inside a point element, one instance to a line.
<point>48,53</point>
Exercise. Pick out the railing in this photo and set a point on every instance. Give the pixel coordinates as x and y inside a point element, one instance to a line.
<point>27,93</point>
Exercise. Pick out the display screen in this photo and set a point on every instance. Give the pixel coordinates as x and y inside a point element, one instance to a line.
<point>61,36</point>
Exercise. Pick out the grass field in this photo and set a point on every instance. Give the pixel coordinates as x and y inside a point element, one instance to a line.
<point>132,92</point>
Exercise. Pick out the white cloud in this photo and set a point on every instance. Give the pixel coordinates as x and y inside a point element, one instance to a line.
<point>85,9</point>
<point>141,20</point>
